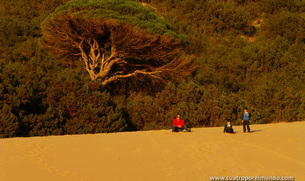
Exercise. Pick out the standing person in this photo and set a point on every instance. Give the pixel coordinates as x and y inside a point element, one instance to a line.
<point>228,127</point>
<point>178,124</point>
<point>246,118</point>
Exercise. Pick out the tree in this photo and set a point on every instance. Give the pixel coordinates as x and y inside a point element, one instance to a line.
<point>117,39</point>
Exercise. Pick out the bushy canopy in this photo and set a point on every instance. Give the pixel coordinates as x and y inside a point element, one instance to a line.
<point>125,11</point>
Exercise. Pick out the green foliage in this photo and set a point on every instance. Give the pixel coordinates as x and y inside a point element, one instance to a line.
<point>9,123</point>
<point>206,16</point>
<point>285,24</point>
<point>200,105</point>
<point>276,6</point>
<point>20,25</point>
<point>123,10</point>
<point>42,103</point>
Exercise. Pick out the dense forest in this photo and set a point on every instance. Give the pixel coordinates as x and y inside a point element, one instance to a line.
<point>249,53</point>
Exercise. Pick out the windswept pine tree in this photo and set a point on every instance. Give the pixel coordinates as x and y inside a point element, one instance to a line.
<point>117,39</point>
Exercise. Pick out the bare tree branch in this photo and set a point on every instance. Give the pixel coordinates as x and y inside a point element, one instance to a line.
<point>112,50</point>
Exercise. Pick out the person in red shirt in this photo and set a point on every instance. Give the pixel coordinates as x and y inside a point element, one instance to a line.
<point>178,124</point>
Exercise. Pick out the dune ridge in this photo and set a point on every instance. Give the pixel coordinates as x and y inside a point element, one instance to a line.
<point>272,149</point>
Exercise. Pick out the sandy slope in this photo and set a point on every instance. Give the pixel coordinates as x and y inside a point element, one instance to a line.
<point>273,149</point>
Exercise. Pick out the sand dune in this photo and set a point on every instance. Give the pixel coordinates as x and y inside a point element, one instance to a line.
<point>273,149</point>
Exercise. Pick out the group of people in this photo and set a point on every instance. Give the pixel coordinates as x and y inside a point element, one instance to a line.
<point>179,125</point>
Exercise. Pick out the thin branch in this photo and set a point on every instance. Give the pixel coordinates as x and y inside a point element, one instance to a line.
<point>116,77</point>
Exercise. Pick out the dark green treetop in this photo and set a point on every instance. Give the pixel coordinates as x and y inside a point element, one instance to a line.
<point>125,11</point>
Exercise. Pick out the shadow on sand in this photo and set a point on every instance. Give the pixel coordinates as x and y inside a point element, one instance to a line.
<point>255,131</point>
<point>247,132</point>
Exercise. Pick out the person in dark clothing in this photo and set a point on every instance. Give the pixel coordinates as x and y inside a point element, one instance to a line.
<point>188,124</point>
<point>228,127</point>
<point>246,119</point>
<point>178,124</point>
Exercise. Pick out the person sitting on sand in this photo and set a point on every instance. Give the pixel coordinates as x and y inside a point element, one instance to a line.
<point>246,119</point>
<point>228,127</point>
<point>178,124</point>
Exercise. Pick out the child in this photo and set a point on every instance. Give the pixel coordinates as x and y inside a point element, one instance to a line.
<point>228,127</point>
<point>246,118</point>
<point>188,124</point>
